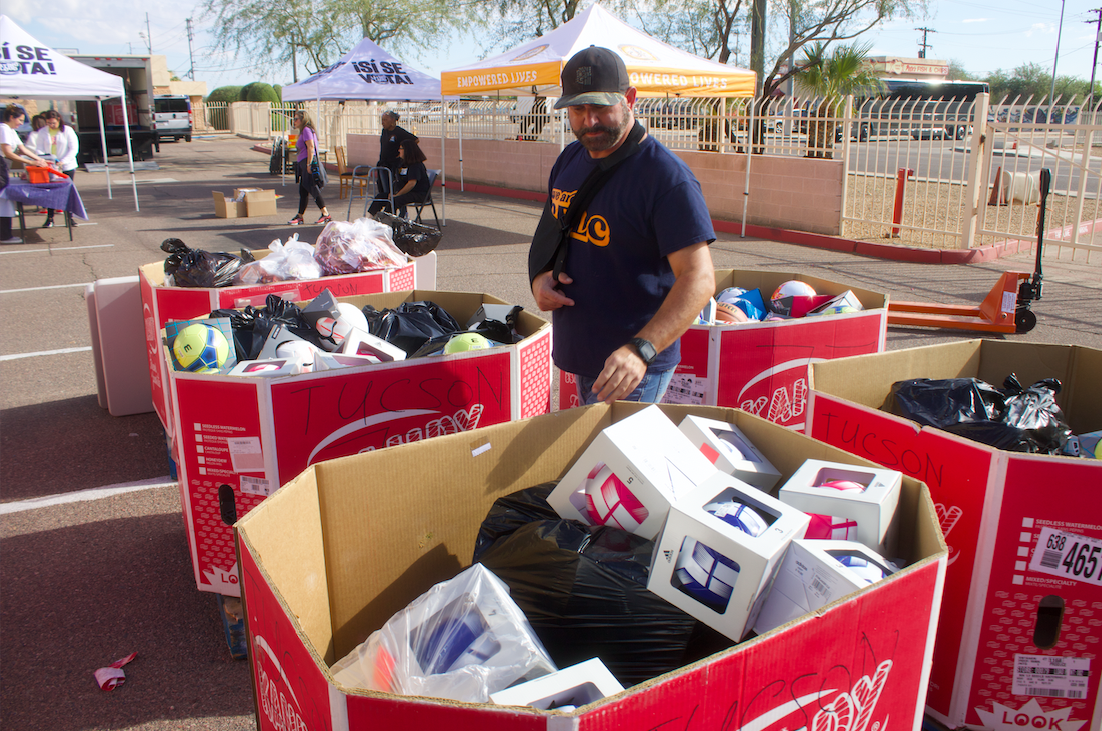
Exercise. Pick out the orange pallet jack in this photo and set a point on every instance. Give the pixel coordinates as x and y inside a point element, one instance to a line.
<point>1005,309</point>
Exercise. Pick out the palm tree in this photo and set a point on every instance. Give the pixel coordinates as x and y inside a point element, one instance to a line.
<point>830,78</point>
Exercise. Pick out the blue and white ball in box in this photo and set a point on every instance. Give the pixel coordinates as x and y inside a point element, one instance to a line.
<point>816,573</point>
<point>718,551</point>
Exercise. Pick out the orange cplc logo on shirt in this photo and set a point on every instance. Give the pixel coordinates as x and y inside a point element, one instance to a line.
<point>590,229</point>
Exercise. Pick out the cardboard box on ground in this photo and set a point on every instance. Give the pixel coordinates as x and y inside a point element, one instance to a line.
<point>245,203</point>
<point>237,439</point>
<point>161,304</point>
<point>1018,640</point>
<point>762,367</point>
<point>334,554</point>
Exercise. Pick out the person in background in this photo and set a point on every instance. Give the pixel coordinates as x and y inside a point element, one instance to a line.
<point>637,269</point>
<point>38,121</point>
<point>12,150</point>
<point>390,140</point>
<point>412,182</point>
<point>59,140</point>
<point>307,146</point>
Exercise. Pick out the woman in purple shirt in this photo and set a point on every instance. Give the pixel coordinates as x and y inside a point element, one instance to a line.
<point>307,146</point>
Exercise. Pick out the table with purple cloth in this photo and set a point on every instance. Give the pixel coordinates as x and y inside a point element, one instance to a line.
<point>61,195</point>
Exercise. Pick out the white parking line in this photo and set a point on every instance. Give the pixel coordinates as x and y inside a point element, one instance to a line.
<point>95,493</point>
<point>38,289</point>
<point>59,248</point>
<point>17,356</point>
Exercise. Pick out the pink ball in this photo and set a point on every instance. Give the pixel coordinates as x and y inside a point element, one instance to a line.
<point>610,502</point>
<point>829,528</point>
<point>844,485</point>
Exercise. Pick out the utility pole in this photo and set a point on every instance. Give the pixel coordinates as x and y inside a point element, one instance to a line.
<point>1094,65</point>
<point>924,44</point>
<point>190,53</point>
<point>1052,89</point>
<point>148,35</point>
<point>757,42</point>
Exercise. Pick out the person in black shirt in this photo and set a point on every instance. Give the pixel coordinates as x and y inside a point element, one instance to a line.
<point>412,179</point>
<point>390,139</point>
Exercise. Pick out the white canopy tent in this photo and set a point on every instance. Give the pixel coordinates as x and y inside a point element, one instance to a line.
<point>31,70</point>
<point>368,72</point>
<point>654,68</point>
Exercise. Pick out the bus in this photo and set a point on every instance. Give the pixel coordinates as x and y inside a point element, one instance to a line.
<point>922,109</point>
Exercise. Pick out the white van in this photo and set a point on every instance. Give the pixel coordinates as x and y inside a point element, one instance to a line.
<point>172,117</point>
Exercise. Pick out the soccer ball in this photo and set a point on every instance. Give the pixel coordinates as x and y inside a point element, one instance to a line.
<point>741,516</point>
<point>843,485</point>
<point>861,566</point>
<point>466,341</point>
<point>705,574</point>
<point>353,315</point>
<point>298,352</point>
<point>829,528</point>
<point>731,444</point>
<point>610,502</point>
<point>200,348</point>
<point>781,302</point>
<point>452,639</point>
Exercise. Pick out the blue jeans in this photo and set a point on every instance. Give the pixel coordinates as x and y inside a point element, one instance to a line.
<point>650,390</point>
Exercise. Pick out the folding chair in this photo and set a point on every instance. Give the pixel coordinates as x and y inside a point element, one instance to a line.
<point>376,174</point>
<point>349,182</point>
<point>428,199</point>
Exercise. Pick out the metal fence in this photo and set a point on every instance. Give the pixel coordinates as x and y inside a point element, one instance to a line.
<point>913,174</point>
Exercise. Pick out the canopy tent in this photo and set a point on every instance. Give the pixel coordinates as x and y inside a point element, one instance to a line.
<point>655,68</point>
<point>31,70</point>
<point>365,72</point>
<point>368,72</point>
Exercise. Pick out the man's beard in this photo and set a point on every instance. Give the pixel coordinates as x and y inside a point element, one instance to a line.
<point>609,135</point>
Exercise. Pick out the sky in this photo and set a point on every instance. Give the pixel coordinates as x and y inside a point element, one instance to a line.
<point>982,35</point>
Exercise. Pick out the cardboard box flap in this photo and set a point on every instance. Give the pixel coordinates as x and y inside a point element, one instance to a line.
<point>288,544</point>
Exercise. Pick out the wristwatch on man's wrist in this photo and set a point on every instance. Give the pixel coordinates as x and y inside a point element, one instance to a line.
<point>645,349</point>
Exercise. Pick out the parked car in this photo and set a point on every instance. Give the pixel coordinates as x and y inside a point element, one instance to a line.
<point>172,117</point>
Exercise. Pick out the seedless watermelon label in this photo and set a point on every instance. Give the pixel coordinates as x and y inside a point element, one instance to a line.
<point>1068,555</point>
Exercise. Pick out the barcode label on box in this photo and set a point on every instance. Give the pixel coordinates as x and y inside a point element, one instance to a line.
<point>1068,555</point>
<point>256,486</point>
<point>1051,677</point>
<point>246,454</point>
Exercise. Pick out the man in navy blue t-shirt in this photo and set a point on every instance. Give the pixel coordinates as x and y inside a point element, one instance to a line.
<point>637,268</point>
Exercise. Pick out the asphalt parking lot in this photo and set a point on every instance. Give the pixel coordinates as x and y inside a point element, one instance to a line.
<point>93,554</point>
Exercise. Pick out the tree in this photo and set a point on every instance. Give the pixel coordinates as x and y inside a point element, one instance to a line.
<point>225,94</point>
<point>1032,83</point>
<point>316,33</point>
<point>829,78</point>
<point>957,72</point>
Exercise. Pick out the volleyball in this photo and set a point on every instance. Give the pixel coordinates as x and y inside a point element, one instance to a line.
<point>610,502</point>
<point>829,528</point>
<point>200,348</point>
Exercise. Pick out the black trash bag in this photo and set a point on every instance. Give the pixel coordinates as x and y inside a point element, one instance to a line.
<point>411,324</point>
<point>198,268</point>
<point>942,403</point>
<point>251,325</point>
<point>412,238</point>
<point>584,591</point>
<point>1034,410</point>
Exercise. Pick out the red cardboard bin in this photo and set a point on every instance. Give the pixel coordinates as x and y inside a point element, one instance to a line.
<point>161,304</point>
<point>334,554</point>
<point>237,439</point>
<point>1021,623</point>
<point>761,367</point>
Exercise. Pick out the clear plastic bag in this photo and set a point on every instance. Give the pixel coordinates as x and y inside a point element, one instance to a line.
<point>293,260</point>
<point>359,246</point>
<point>462,639</point>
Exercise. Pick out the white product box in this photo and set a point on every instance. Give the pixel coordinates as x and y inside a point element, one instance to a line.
<point>725,592</point>
<point>362,343</point>
<point>872,508</point>
<point>651,458</point>
<point>812,576</point>
<point>565,690</point>
<point>730,451</point>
